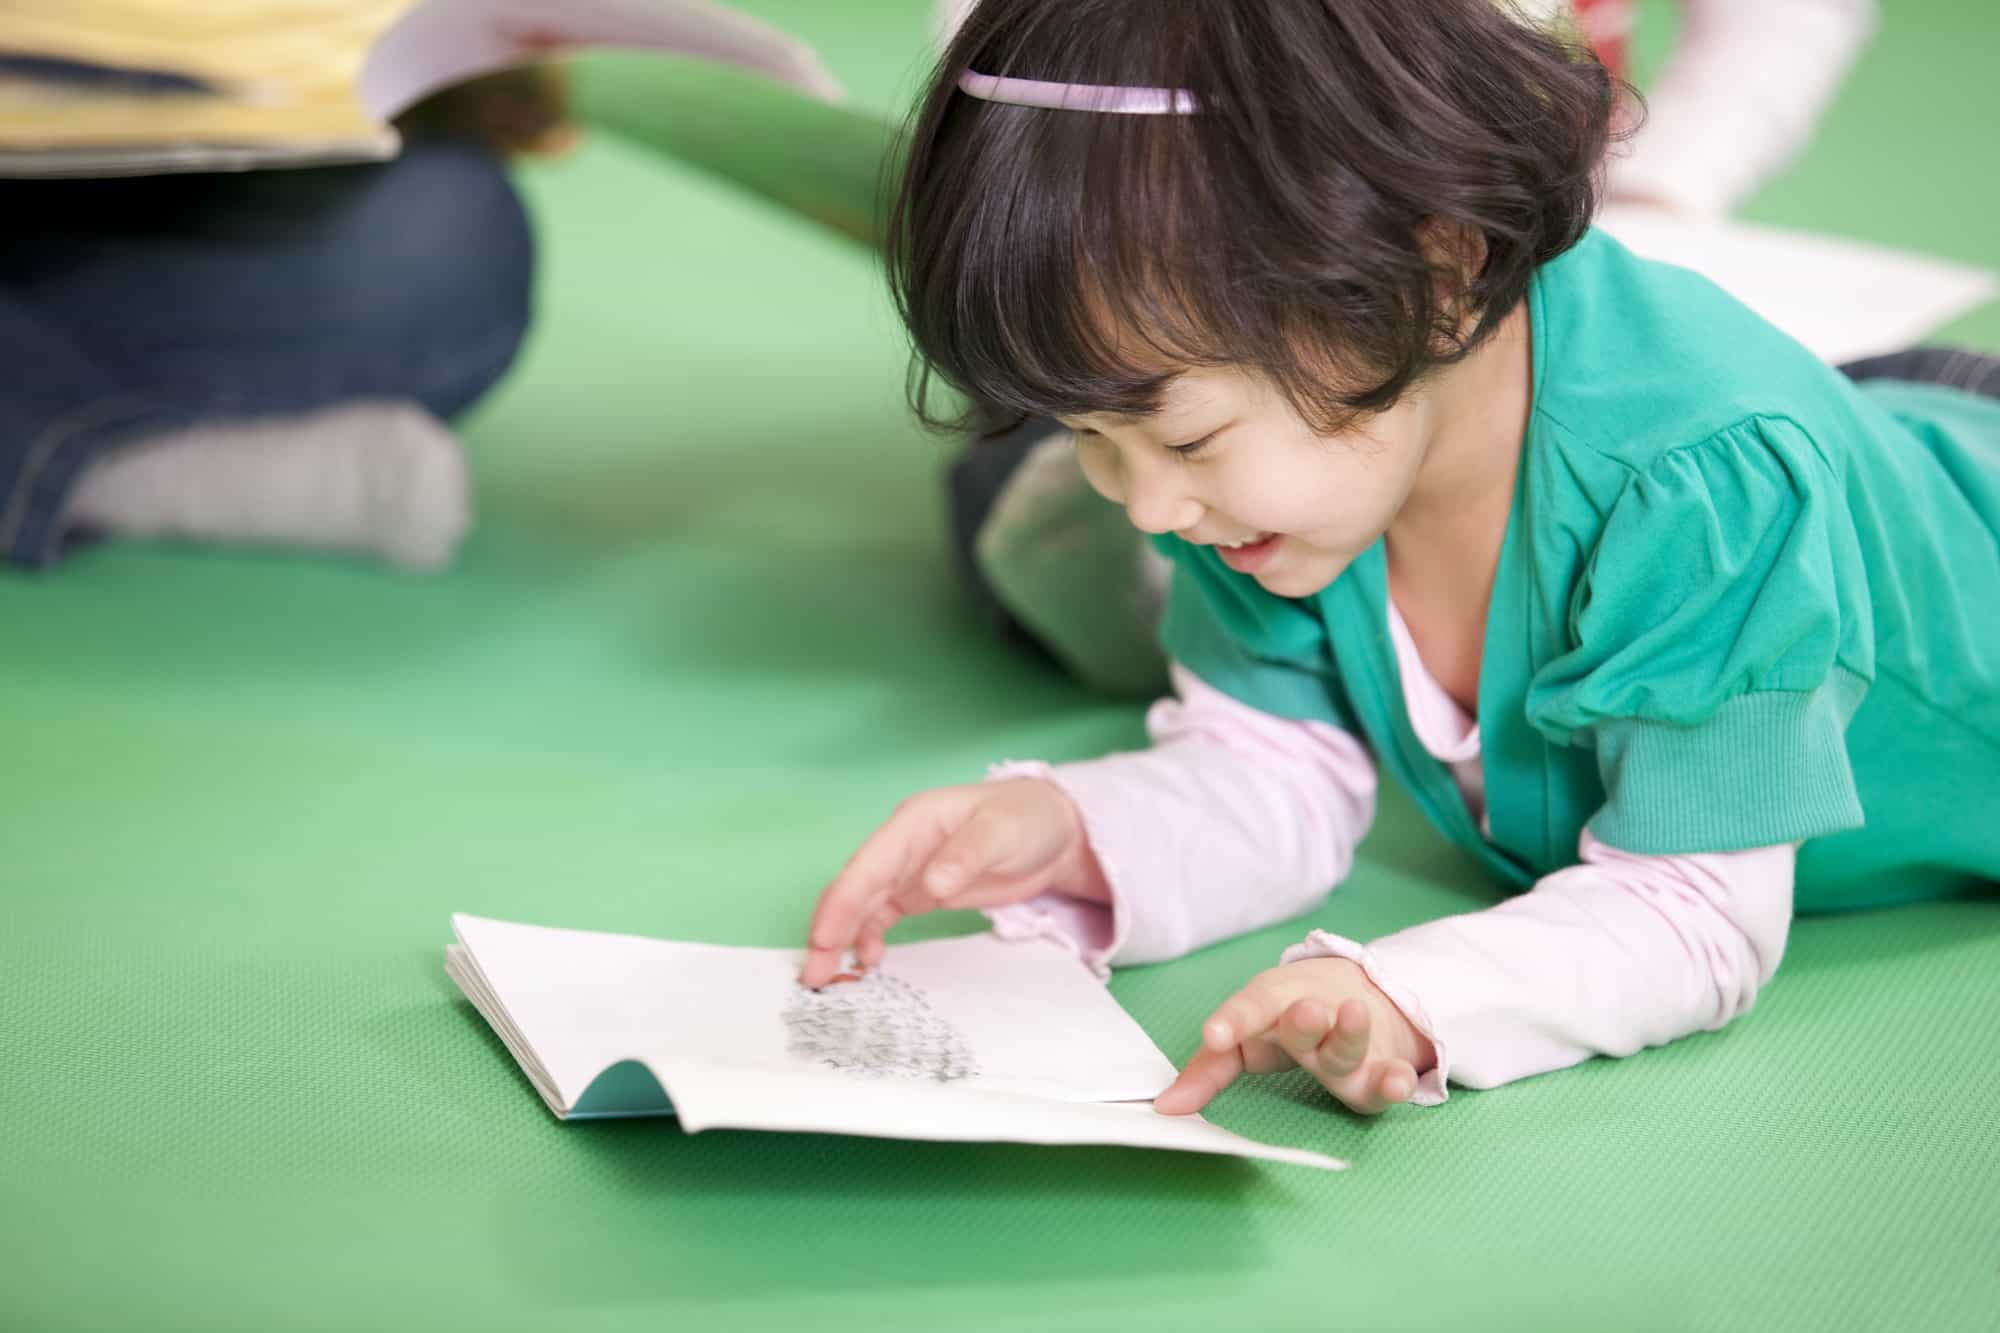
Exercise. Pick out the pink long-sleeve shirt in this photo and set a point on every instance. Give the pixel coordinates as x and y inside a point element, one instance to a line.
<point>1235,820</point>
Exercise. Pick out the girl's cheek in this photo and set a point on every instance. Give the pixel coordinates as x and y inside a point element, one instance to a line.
<point>1274,508</point>
<point>1100,470</point>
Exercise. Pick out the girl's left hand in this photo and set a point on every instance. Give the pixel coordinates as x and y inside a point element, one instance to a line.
<point>1319,1013</point>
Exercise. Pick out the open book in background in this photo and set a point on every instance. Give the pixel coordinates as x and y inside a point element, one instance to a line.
<point>110,87</point>
<point>966,1039</point>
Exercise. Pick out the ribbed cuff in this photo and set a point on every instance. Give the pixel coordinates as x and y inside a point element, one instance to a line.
<point>1766,768</point>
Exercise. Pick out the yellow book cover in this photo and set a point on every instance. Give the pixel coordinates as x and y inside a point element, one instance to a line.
<point>129,86</point>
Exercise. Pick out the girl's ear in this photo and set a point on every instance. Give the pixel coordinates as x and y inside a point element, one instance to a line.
<point>1456,253</point>
<point>1457,256</point>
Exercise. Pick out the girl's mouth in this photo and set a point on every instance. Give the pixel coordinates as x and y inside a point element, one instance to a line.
<point>1251,556</point>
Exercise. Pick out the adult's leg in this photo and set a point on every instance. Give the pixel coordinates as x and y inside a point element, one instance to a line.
<point>166,307</point>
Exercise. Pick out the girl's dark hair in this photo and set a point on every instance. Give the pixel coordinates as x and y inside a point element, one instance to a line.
<point>1060,262</point>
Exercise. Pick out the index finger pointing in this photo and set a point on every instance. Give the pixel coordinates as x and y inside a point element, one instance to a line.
<point>1205,1076</point>
<point>857,892</point>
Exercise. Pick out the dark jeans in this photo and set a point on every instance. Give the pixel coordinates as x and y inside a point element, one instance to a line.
<point>131,307</point>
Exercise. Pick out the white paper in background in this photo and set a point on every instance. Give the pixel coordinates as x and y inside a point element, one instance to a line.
<point>1843,299</point>
<point>972,1039</point>
<point>441,42</point>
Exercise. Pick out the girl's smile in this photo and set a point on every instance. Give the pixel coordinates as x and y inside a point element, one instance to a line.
<point>1292,506</point>
<point>1250,556</point>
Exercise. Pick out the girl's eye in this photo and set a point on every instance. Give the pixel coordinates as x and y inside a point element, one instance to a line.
<point>1193,447</point>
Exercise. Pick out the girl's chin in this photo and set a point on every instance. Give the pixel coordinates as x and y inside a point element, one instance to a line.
<point>1301,577</point>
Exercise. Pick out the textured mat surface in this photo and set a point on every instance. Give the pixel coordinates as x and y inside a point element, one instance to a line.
<point>704,637</point>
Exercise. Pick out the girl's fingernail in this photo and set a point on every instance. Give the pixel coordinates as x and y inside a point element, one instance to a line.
<point>1216,1034</point>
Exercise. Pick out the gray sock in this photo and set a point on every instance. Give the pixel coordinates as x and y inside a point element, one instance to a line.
<point>370,477</point>
<point>1067,564</point>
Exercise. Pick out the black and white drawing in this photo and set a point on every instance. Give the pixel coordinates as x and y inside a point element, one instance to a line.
<point>878,1025</point>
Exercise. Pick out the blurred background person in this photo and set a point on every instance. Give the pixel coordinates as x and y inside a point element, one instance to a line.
<point>268,357</point>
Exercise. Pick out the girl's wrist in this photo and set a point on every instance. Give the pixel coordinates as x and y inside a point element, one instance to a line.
<point>1083,874</point>
<point>1398,1037</point>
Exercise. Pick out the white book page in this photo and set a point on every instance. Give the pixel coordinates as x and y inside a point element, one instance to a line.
<point>441,42</point>
<point>975,1013</point>
<point>1843,299</point>
<point>757,1099</point>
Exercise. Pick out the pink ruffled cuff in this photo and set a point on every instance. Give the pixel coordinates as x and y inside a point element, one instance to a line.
<point>1092,931</point>
<point>1319,944</point>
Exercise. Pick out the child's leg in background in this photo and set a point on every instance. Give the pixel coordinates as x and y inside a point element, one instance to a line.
<point>258,357</point>
<point>1953,367</point>
<point>1056,563</point>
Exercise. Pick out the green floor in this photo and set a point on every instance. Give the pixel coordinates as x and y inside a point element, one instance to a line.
<point>704,636</point>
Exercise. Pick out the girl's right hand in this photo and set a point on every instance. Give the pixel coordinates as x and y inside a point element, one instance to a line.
<point>955,847</point>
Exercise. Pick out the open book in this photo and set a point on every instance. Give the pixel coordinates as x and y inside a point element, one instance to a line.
<point>969,1039</point>
<point>109,87</point>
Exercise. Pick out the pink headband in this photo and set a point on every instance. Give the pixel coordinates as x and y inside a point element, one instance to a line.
<point>1109,98</point>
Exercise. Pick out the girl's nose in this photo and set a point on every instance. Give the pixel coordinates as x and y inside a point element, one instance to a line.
<point>1156,501</point>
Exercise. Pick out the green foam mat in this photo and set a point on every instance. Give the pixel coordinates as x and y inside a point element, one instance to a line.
<point>705,635</point>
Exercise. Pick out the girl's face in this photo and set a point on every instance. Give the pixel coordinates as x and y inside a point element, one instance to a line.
<point>1227,462</point>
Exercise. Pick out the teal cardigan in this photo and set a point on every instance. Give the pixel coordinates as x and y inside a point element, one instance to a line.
<point>1741,601</point>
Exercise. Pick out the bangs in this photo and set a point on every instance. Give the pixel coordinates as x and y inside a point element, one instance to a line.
<point>1060,263</point>
<point>1066,287</point>
<point>1069,262</point>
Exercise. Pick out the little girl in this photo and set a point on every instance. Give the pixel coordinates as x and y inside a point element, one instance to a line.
<point>1665,621</point>
<point>1737,97</point>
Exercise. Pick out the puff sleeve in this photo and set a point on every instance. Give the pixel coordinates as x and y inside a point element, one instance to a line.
<point>1721,639</point>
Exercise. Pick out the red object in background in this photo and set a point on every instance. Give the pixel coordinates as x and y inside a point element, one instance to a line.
<point>531,41</point>
<point>1607,28</point>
